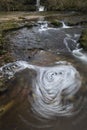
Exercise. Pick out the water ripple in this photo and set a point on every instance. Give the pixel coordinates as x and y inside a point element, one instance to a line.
<point>53,88</point>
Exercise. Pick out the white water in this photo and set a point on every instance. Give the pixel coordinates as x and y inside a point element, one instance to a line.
<point>44,26</point>
<point>80,55</point>
<point>52,87</point>
<point>64,25</point>
<point>77,52</point>
<point>39,7</point>
<point>11,68</point>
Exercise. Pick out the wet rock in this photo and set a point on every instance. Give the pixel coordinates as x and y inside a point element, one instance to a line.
<point>3,86</point>
<point>44,58</point>
<point>6,107</point>
<point>56,23</point>
<point>76,23</point>
<point>9,25</point>
<point>83,39</point>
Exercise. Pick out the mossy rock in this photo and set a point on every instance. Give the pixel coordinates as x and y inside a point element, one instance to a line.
<point>83,39</point>
<point>2,45</point>
<point>56,23</point>
<point>22,18</point>
<point>71,23</point>
<point>3,87</point>
<point>8,25</point>
<point>81,23</point>
<point>29,25</point>
<point>1,39</point>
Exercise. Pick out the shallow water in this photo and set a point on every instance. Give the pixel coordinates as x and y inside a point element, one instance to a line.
<point>43,37</point>
<point>44,93</point>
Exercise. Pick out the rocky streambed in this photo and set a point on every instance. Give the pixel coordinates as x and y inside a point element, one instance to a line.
<point>44,84</point>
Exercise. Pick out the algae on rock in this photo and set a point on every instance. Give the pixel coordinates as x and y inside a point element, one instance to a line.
<point>83,39</point>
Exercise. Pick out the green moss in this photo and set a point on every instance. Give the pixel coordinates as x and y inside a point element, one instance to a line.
<point>22,18</point>
<point>2,45</point>
<point>8,25</point>
<point>56,23</point>
<point>8,58</point>
<point>83,39</point>
<point>5,27</point>
<point>3,87</point>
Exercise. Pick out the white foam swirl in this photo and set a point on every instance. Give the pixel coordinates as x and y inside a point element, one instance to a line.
<point>49,87</point>
<point>52,87</point>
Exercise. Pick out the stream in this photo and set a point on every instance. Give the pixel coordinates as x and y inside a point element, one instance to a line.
<point>46,84</point>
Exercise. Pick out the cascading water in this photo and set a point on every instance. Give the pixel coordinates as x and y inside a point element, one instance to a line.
<point>80,54</point>
<point>76,50</point>
<point>43,26</point>
<point>64,25</point>
<point>38,4</point>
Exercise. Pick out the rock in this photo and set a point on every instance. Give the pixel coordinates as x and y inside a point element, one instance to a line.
<point>56,23</point>
<point>83,39</point>
<point>44,58</point>
<point>3,87</point>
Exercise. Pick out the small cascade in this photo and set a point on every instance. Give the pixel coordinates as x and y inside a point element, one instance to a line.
<point>78,53</point>
<point>71,43</point>
<point>10,69</point>
<point>43,25</point>
<point>64,25</point>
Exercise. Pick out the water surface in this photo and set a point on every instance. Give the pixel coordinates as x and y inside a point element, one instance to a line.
<point>47,84</point>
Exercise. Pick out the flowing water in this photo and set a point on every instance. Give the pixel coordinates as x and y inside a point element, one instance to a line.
<point>47,85</point>
<point>39,7</point>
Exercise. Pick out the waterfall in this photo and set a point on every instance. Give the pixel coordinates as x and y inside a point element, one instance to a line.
<point>39,7</point>
<point>38,4</point>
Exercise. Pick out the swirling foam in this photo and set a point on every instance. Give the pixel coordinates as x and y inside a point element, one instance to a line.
<point>52,88</point>
<point>51,85</point>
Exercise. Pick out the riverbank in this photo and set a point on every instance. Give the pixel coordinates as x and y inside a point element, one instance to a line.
<point>6,16</point>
